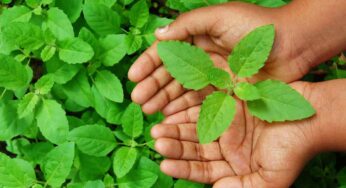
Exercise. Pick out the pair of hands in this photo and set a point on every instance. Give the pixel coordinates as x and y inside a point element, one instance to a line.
<point>251,153</point>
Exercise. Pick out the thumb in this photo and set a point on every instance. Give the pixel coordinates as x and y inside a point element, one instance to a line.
<point>196,22</point>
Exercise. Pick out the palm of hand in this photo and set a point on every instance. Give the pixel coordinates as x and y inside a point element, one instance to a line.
<point>250,154</point>
<point>227,24</point>
<point>219,28</point>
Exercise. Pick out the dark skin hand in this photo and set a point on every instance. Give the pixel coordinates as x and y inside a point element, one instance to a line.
<point>299,45</point>
<point>251,153</point>
<point>254,153</point>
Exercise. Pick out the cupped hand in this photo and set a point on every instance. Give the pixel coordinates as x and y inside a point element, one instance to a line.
<point>215,29</point>
<point>252,153</point>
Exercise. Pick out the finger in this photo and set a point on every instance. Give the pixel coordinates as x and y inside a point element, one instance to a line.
<point>176,149</point>
<point>187,116</point>
<point>168,93</point>
<point>189,99</point>
<point>204,172</point>
<point>145,64</point>
<point>183,132</point>
<point>150,85</point>
<point>196,22</point>
<point>252,180</point>
<point>174,90</point>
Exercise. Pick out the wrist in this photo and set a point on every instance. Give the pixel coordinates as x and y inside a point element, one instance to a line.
<point>328,126</point>
<point>315,30</point>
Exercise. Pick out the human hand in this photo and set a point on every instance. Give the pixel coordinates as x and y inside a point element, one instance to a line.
<point>254,153</point>
<point>217,29</point>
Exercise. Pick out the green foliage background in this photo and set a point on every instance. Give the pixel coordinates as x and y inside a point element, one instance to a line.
<point>66,119</point>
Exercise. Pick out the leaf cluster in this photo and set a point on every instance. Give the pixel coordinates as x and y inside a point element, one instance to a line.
<point>269,100</point>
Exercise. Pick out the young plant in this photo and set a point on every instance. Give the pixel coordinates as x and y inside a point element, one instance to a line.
<point>268,100</point>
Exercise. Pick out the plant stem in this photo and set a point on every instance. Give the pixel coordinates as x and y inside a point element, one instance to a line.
<point>27,63</point>
<point>40,182</point>
<point>124,30</point>
<point>143,144</point>
<point>3,93</point>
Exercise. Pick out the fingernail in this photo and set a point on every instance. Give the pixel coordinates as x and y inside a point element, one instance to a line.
<point>162,30</point>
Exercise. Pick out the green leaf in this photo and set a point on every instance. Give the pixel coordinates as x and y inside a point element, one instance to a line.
<point>220,78</point>
<point>75,51</point>
<point>72,8</point>
<point>11,125</point>
<point>44,84</point>
<point>279,102</point>
<point>61,71</point>
<point>38,11</point>
<point>147,134</point>
<point>176,5</point>
<point>6,1</point>
<point>13,75</point>
<point>133,43</point>
<point>23,35</point>
<point>108,180</point>
<point>15,173</point>
<point>139,14</point>
<point>94,184</point>
<point>193,4</point>
<point>132,120</point>
<point>52,121</point>
<point>57,164</point>
<point>6,47</point>
<point>16,145</point>
<point>79,86</point>
<point>246,91</point>
<point>37,186</point>
<point>27,105</point>
<point>119,134</point>
<point>126,2</point>
<point>33,3</point>
<point>92,167</point>
<point>47,53</point>
<point>47,2</point>
<point>49,37</point>
<point>137,178</point>
<point>124,160</point>
<point>109,86</point>
<point>101,18</point>
<point>94,140</point>
<point>184,6</point>
<point>108,3</point>
<point>270,3</point>
<point>251,53</point>
<point>217,113</point>
<point>59,24</point>
<point>113,49</point>
<point>188,64</point>
<point>107,109</point>
<point>87,36</point>
<point>149,165</point>
<point>36,152</point>
<point>71,106</point>
<point>187,184</point>
<point>15,14</point>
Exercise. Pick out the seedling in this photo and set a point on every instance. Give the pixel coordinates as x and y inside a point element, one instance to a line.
<point>268,100</point>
